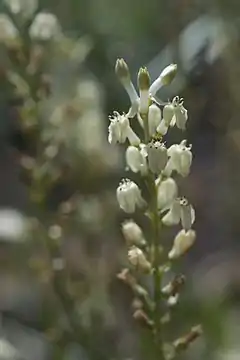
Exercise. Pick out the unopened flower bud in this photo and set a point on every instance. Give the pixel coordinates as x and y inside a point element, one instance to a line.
<point>154,118</point>
<point>168,113</point>
<point>143,84</point>
<point>182,243</point>
<point>133,233</point>
<point>167,192</point>
<point>157,156</point>
<point>122,70</point>
<point>165,78</point>
<point>137,258</point>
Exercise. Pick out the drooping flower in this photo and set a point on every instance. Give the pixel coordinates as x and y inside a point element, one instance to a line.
<point>8,31</point>
<point>182,243</point>
<point>119,130</point>
<point>129,196</point>
<point>157,156</point>
<point>180,159</point>
<point>136,160</point>
<point>25,8</point>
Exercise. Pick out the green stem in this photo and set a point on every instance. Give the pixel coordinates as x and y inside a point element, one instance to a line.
<point>156,225</point>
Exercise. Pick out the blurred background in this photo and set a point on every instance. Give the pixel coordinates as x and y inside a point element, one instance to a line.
<point>60,239</point>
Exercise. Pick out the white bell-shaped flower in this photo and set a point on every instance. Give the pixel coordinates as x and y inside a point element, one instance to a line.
<point>44,27</point>
<point>167,193</point>
<point>133,233</point>
<point>135,160</point>
<point>165,78</point>
<point>157,156</point>
<point>129,196</point>
<point>182,243</point>
<point>137,258</point>
<point>175,113</point>
<point>180,159</point>
<point>119,130</point>
<point>154,118</point>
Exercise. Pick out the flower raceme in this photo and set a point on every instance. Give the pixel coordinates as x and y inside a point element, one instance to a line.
<point>148,155</point>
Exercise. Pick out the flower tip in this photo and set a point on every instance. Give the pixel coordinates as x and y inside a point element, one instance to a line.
<point>143,79</point>
<point>168,74</point>
<point>121,69</point>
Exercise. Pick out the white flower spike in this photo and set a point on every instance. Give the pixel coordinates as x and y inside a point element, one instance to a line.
<point>129,196</point>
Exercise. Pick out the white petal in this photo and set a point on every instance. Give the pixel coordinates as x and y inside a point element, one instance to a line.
<point>167,192</point>
<point>132,137</point>
<point>134,158</point>
<point>172,217</point>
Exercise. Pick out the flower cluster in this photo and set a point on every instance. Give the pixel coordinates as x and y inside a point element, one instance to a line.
<point>152,157</point>
<point>148,154</point>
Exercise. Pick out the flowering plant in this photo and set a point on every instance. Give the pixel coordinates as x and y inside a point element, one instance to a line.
<point>157,164</point>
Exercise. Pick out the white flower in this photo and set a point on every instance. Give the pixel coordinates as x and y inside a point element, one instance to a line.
<point>137,258</point>
<point>182,243</point>
<point>157,156</point>
<point>129,196</point>
<point>154,118</point>
<point>167,192</point>
<point>26,8</point>
<point>175,113</point>
<point>45,26</point>
<point>119,130</point>
<point>136,160</point>
<point>8,31</point>
<point>133,233</point>
<point>180,159</point>
<point>180,210</point>
<point>165,78</point>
